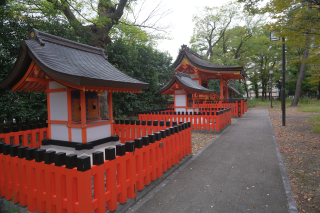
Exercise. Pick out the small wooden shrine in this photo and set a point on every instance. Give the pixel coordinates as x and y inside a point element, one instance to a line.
<point>190,81</point>
<point>73,75</point>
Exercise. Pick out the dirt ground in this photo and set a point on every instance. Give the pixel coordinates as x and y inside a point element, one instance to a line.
<point>200,139</point>
<point>300,150</point>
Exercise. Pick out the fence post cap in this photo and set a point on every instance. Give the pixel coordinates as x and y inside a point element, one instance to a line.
<point>130,146</point>
<point>60,159</point>
<point>21,151</point>
<point>138,143</point>
<point>97,158</point>
<point>110,153</point>
<point>49,157</point>
<point>71,161</point>
<point>120,149</point>
<point>39,155</point>
<point>145,140</point>
<point>83,163</point>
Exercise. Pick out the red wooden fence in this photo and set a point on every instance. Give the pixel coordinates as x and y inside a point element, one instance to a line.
<point>205,120</point>
<point>46,181</point>
<point>26,137</point>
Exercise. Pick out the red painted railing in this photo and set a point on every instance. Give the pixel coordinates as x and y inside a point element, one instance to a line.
<point>205,120</point>
<point>46,181</point>
<point>238,106</point>
<point>31,137</point>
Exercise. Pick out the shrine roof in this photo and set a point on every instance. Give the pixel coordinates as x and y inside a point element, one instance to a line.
<point>198,61</point>
<point>230,86</point>
<point>185,81</point>
<point>68,61</point>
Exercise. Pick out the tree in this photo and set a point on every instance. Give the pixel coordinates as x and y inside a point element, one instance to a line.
<point>298,22</point>
<point>144,63</point>
<point>211,26</point>
<point>93,18</point>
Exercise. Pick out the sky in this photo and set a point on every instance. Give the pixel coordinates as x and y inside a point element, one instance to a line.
<point>181,22</point>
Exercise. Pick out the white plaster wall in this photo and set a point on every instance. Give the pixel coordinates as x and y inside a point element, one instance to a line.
<point>76,135</point>
<point>194,76</point>
<point>179,91</point>
<point>55,85</point>
<point>59,132</point>
<point>98,132</point>
<point>180,100</point>
<point>58,106</point>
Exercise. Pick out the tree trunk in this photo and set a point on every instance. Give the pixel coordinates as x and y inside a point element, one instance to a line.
<point>246,88</point>
<point>318,96</point>
<point>300,77</point>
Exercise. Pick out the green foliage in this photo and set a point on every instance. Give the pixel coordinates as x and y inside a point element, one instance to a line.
<point>144,63</point>
<point>24,106</point>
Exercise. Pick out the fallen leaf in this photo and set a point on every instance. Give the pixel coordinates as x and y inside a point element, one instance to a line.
<point>253,207</point>
<point>211,206</point>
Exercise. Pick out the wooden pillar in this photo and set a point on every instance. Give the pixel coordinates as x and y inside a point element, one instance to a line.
<point>221,87</point>
<point>226,90</point>
<point>83,116</point>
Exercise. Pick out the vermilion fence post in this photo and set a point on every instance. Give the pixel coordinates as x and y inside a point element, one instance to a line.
<point>121,173</point>
<point>33,135</point>
<point>2,190</point>
<point>146,160</point>
<point>164,150</point>
<point>5,166</point>
<point>24,135</point>
<point>59,162</point>
<point>138,143</point>
<point>71,184</point>
<point>131,169</point>
<point>149,127</point>
<point>158,154</point>
<point>155,127</point>
<point>22,176</point>
<point>122,134</point>
<point>49,177</point>
<point>143,128</point>
<point>169,145</point>
<point>98,181</point>
<point>84,184</point>
<point>30,175</point>
<point>39,173</point>
<point>153,162</point>
<point>111,177</point>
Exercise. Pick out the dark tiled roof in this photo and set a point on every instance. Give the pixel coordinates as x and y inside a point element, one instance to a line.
<point>230,86</point>
<point>69,61</point>
<point>185,81</point>
<point>199,62</point>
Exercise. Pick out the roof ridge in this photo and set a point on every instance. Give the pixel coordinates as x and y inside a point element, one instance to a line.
<point>185,47</point>
<point>41,37</point>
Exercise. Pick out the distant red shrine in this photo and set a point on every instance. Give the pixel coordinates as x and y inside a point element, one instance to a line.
<point>190,81</point>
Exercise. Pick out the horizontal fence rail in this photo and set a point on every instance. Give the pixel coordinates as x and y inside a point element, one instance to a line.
<point>46,181</point>
<point>29,137</point>
<point>205,120</point>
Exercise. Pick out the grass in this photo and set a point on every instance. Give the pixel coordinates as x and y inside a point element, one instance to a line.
<point>315,123</point>
<point>309,105</point>
<point>313,106</point>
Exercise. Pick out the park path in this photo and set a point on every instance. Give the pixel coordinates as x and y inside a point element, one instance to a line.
<point>238,172</point>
